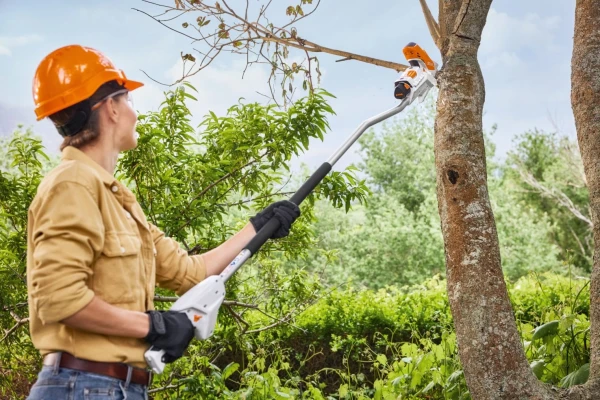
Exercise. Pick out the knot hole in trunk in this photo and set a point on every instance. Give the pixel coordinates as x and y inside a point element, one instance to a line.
<point>453,176</point>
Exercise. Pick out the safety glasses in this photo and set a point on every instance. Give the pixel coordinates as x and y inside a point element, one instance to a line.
<point>129,98</point>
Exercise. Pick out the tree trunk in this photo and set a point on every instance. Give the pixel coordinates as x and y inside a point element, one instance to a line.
<point>585,100</point>
<point>490,348</point>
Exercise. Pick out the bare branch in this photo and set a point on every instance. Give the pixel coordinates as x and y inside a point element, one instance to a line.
<point>584,253</point>
<point>238,319</point>
<point>157,4</point>
<point>240,33</point>
<point>434,28</point>
<point>172,299</point>
<point>257,198</point>
<point>13,306</point>
<point>278,322</point>
<point>316,48</point>
<point>165,25</point>
<point>19,323</point>
<point>556,195</point>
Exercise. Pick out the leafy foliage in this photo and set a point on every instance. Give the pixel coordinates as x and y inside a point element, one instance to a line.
<point>25,159</point>
<point>386,344</point>
<point>396,236</point>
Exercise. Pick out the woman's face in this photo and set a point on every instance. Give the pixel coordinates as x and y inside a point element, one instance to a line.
<point>125,134</point>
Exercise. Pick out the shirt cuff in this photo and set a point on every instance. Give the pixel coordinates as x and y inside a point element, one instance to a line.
<point>60,310</point>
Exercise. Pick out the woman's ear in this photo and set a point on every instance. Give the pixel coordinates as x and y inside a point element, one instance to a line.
<point>112,107</point>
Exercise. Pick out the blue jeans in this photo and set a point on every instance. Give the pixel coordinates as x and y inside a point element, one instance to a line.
<point>55,383</point>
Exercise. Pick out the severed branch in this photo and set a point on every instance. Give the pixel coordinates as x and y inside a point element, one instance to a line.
<point>234,29</point>
<point>312,47</point>
<point>256,198</point>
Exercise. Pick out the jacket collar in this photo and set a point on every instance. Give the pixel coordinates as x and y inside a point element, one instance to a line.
<point>72,153</point>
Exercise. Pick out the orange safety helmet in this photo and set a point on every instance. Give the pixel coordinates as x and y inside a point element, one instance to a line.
<point>70,75</point>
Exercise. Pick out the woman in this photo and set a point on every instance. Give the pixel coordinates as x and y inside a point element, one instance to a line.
<point>93,259</point>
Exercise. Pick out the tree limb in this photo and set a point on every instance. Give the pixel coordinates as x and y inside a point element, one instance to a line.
<point>434,28</point>
<point>19,323</point>
<point>172,299</point>
<point>312,47</point>
<point>552,193</point>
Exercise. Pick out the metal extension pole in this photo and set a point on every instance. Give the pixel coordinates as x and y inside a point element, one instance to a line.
<point>366,124</point>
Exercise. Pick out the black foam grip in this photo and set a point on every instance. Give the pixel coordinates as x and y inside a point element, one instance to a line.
<point>270,227</point>
<point>311,183</point>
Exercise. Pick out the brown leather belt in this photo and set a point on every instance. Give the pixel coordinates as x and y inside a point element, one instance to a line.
<point>112,369</point>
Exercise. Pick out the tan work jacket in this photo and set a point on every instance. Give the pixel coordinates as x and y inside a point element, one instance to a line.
<point>87,236</point>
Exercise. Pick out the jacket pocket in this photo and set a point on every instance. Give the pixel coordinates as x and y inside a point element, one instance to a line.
<point>117,278</point>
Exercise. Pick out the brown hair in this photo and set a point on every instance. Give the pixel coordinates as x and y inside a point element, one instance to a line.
<point>91,129</point>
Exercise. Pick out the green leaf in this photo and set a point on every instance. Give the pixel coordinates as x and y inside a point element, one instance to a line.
<point>343,390</point>
<point>537,367</point>
<point>230,369</point>
<point>189,96</point>
<point>548,329</point>
<point>429,386</point>
<point>578,377</point>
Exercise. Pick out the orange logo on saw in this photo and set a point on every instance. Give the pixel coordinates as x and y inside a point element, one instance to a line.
<point>197,318</point>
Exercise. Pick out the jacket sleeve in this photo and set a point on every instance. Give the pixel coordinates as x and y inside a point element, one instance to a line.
<point>175,269</point>
<point>67,235</point>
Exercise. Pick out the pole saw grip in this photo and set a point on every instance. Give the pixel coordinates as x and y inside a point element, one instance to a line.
<point>272,225</point>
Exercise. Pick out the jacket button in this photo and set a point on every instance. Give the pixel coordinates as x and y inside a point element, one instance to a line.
<point>122,249</point>
<point>114,189</point>
<point>128,214</point>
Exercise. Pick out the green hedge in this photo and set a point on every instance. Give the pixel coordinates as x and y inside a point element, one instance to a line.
<point>359,344</point>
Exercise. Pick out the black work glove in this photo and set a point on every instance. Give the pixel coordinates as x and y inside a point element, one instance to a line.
<point>171,331</point>
<point>285,211</point>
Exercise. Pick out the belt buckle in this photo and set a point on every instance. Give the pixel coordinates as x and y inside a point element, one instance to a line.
<point>52,359</point>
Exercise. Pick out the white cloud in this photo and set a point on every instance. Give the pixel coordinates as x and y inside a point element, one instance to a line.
<point>7,43</point>
<point>221,86</point>
<point>506,39</point>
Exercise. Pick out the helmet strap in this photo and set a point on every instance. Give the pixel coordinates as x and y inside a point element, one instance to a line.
<point>78,121</point>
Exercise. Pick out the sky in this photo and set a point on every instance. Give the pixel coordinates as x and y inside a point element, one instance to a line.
<point>525,58</point>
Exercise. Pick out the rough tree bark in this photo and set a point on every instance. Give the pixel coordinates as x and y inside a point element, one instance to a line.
<point>585,100</point>
<point>490,349</point>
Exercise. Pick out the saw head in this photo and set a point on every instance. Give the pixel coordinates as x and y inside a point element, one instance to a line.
<point>418,78</point>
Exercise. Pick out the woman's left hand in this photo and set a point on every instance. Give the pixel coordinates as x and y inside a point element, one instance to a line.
<point>285,211</point>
